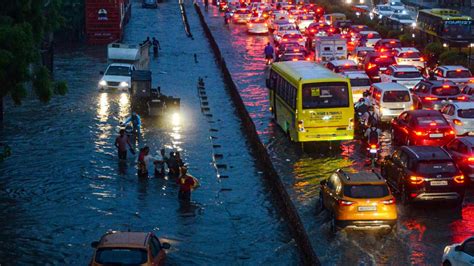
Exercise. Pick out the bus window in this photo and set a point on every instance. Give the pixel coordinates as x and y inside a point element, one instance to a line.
<point>325,95</point>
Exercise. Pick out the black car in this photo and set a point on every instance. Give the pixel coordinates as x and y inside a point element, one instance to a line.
<point>149,4</point>
<point>376,62</point>
<point>423,173</point>
<point>462,151</point>
<point>432,94</point>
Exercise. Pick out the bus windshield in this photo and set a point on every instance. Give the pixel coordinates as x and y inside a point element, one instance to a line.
<point>325,95</point>
<point>456,28</point>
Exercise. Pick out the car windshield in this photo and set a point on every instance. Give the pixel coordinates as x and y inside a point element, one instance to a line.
<point>383,61</point>
<point>118,71</point>
<point>392,44</point>
<point>455,28</point>
<point>409,55</point>
<point>360,82</point>
<point>446,91</point>
<point>428,121</point>
<point>292,57</point>
<point>466,113</point>
<point>396,96</point>
<point>366,191</point>
<point>121,256</point>
<point>403,17</point>
<point>459,74</point>
<point>347,68</point>
<point>396,4</point>
<point>384,8</point>
<point>407,74</point>
<point>436,167</point>
<point>325,95</point>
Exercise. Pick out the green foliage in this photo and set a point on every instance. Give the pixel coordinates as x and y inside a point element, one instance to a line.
<point>42,84</point>
<point>434,49</point>
<point>407,39</point>
<point>453,58</point>
<point>24,25</point>
<point>61,88</point>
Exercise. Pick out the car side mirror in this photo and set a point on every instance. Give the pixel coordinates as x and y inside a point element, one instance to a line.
<point>458,248</point>
<point>165,245</point>
<point>95,244</point>
<point>323,182</point>
<point>101,72</point>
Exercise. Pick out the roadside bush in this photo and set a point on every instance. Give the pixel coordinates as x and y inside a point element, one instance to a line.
<point>60,88</point>
<point>453,58</point>
<point>407,39</point>
<point>42,84</point>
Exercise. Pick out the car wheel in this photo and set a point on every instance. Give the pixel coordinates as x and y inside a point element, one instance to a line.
<point>404,196</point>
<point>446,263</point>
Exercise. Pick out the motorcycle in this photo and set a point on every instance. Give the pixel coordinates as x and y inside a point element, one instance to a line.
<point>373,151</point>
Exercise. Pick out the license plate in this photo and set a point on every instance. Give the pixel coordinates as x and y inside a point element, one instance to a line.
<point>439,183</point>
<point>366,208</point>
<point>373,150</point>
<point>438,135</point>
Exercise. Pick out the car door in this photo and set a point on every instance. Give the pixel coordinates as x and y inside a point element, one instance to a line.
<point>465,257</point>
<point>448,113</point>
<point>390,167</point>
<point>157,252</point>
<point>399,125</point>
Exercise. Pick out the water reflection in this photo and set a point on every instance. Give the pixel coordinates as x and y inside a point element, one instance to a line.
<point>124,105</point>
<point>103,107</point>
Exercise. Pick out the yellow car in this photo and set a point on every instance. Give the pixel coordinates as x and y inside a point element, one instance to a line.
<point>129,248</point>
<point>358,201</point>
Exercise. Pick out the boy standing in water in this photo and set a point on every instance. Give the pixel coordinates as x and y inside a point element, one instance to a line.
<point>121,143</point>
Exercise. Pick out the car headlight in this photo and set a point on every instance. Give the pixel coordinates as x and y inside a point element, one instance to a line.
<point>102,83</point>
<point>446,250</point>
<point>123,84</point>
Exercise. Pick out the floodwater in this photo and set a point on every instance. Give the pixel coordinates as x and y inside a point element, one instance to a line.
<point>423,231</point>
<point>63,186</point>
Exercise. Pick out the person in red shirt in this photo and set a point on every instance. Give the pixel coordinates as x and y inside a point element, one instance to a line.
<point>186,184</point>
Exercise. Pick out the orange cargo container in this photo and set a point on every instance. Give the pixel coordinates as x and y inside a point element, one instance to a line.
<point>105,20</point>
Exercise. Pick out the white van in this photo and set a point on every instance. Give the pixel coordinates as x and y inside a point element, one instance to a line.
<point>390,99</point>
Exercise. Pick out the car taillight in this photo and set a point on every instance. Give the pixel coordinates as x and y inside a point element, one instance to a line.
<point>416,180</point>
<point>300,39</point>
<point>470,160</point>
<point>461,98</point>
<point>370,66</point>
<point>459,179</point>
<point>296,50</point>
<point>285,40</point>
<point>457,122</point>
<point>451,132</point>
<point>308,59</point>
<point>422,59</point>
<point>345,203</point>
<point>373,146</point>
<point>312,30</point>
<point>250,24</point>
<point>294,59</point>
<point>428,98</point>
<point>419,133</point>
<point>389,201</point>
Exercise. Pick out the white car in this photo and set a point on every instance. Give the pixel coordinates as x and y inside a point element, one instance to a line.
<point>405,75</point>
<point>339,66</point>
<point>359,54</point>
<point>303,21</point>
<point>293,37</point>
<point>459,254</point>
<point>280,33</point>
<point>403,19</point>
<point>360,82</point>
<point>382,11</point>
<point>241,16</point>
<point>461,117</point>
<point>396,5</point>
<point>282,29</point>
<point>275,23</point>
<point>409,56</point>
<point>257,26</point>
<point>456,74</point>
<point>116,76</point>
<point>468,91</point>
<point>367,38</point>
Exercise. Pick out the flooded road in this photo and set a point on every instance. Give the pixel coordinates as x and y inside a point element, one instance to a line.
<point>63,187</point>
<point>423,231</point>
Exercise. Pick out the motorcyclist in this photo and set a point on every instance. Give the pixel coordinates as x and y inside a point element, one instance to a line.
<point>135,120</point>
<point>372,134</point>
<point>370,117</point>
<point>269,53</point>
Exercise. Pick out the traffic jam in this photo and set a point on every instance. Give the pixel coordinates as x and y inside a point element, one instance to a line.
<point>331,79</point>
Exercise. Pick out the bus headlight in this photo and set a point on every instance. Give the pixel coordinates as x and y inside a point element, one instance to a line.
<point>102,83</point>
<point>301,125</point>
<point>413,25</point>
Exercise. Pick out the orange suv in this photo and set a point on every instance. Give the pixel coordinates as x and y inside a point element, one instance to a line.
<point>358,201</point>
<point>129,248</point>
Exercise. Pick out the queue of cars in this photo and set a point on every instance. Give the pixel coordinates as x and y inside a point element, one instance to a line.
<point>431,117</point>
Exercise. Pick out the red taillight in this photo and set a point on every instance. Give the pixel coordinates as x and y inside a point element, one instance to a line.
<point>416,180</point>
<point>345,203</point>
<point>457,122</point>
<point>422,59</point>
<point>459,179</point>
<point>300,39</point>
<point>413,195</point>
<point>294,59</point>
<point>458,70</point>
<point>419,133</point>
<point>308,59</point>
<point>285,40</point>
<point>392,42</point>
<point>373,146</point>
<point>389,202</point>
<point>312,30</point>
<point>433,124</point>
<point>451,132</point>
<point>370,66</point>
<point>470,160</point>
<point>428,98</point>
<point>461,98</point>
<point>296,50</point>
<point>445,86</point>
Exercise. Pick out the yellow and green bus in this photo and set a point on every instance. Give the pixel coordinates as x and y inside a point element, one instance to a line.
<point>446,26</point>
<point>310,102</point>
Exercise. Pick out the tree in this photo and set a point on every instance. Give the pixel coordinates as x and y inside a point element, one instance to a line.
<point>23,26</point>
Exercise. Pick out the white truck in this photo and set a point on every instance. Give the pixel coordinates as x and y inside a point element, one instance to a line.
<point>122,60</point>
<point>327,48</point>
